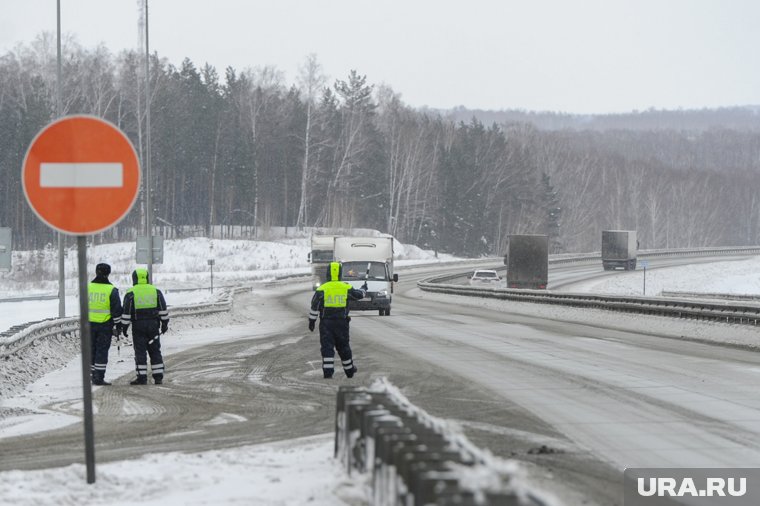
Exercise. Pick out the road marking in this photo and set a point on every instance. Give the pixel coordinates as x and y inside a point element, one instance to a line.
<point>81,175</point>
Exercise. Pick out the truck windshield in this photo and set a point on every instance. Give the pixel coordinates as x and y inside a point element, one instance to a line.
<point>353,271</point>
<point>321,255</point>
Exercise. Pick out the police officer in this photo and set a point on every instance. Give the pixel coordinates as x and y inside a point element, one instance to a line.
<point>145,308</point>
<point>105,320</point>
<point>330,303</point>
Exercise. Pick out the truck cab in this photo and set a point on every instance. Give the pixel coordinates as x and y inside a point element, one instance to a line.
<point>370,260</point>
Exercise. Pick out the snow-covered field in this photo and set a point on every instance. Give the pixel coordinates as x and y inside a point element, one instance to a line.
<point>739,277</point>
<point>292,472</point>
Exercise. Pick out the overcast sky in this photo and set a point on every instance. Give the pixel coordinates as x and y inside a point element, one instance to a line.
<point>582,56</point>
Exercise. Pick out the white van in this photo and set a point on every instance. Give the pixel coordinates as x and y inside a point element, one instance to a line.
<point>368,259</point>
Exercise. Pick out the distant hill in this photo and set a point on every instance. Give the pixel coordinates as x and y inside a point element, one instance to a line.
<point>734,118</point>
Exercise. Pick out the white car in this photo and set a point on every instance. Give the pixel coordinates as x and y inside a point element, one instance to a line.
<point>484,277</point>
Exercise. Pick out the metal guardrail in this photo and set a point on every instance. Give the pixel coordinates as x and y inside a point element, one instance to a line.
<point>18,337</point>
<point>415,459</point>
<point>29,297</point>
<point>729,312</point>
<point>706,295</point>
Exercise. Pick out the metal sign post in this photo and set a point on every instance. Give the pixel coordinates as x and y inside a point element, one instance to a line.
<point>211,267</point>
<point>86,343</point>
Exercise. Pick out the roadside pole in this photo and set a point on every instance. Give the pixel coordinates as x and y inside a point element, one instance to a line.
<point>148,182</point>
<point>58,113</point>
<point>211,267</point>
<point>86,345</point>
<point>644,264</point>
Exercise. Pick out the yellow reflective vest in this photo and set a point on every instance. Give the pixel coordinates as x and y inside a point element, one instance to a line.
<point>99,296</point>
<point>336,293</point>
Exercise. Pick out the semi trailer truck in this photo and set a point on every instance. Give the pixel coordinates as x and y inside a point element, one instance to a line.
<point>527,261</point>
<point>619,248</point>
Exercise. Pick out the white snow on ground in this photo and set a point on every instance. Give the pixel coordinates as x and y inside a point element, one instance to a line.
<point>740,277</point>
<point>294,472</point>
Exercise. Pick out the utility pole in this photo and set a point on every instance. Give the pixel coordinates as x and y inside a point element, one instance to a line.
<point>58,112</point>
<point>148,203</point>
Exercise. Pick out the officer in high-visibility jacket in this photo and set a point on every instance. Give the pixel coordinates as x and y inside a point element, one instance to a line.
<point>330,303</point>
<point>105,320</point>
<point>145,309</point>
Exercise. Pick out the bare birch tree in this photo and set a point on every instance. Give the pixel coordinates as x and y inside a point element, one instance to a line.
<point>311,80</point>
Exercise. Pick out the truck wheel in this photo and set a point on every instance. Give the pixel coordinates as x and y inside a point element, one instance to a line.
<point>387,311</point>
<point>381,312</point>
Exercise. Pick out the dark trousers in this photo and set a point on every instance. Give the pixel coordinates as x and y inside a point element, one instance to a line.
<point>100,340</point>
<point>333,335</point>
<point>146,342</point>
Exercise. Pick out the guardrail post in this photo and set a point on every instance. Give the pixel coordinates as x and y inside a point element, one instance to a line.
<point>382,477</point>
<point>344,392</point>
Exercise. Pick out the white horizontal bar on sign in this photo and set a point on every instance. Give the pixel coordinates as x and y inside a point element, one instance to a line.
<point>81,175</point>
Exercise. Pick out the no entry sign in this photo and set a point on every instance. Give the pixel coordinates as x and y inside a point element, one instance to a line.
<point>81,175</point>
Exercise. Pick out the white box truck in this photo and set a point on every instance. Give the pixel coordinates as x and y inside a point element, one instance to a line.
<point>319,257</point>
<point>619,248</point>
<point>368,259</point>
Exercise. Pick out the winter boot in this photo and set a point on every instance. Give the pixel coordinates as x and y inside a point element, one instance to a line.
<point>140,380</point>
<point>350,373</point>
<point>97,378</point>
<point>158,380</point>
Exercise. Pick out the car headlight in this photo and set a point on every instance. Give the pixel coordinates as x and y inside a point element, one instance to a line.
<point>382,293</point>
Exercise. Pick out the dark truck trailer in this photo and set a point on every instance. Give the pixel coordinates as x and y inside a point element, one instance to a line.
<point>527,261</point>
<point>619,249</point>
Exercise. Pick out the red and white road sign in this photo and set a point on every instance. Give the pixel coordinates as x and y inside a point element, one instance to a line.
<point>81,175</point>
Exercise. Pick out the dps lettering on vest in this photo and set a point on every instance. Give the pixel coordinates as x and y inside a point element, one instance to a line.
<point>99,295</point>
<point>335,293</point>
<point>146,296</point>
<point>336,300</point>
<point>98,298</point>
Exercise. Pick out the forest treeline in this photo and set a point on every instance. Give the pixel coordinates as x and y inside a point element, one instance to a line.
<point>245,147</point>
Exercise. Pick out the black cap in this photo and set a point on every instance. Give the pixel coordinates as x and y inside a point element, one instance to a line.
<point>102,269</point>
